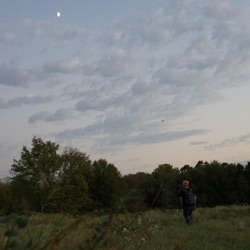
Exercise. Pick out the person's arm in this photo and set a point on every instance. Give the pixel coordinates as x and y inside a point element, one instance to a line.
<point>181,201</point>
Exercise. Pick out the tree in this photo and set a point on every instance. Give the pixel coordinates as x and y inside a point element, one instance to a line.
<point>165,186</point>
<point>106,184</point>
<point>72,192</point>
<point>219,183</point>
<point>5,201</point>
<point>247,176</point>
<point>34,174</point>
<point>185,168</point>
<point>136,191</point>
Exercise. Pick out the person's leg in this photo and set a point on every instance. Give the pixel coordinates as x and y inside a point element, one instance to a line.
<point>187,212</point>
<point>191,215</point>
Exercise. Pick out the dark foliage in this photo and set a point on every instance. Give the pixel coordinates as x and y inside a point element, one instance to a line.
<point>43,180</point>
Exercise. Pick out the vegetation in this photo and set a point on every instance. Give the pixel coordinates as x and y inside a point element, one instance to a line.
<point>43,180</point>
<point>66,201</point>
<point>214,228</point>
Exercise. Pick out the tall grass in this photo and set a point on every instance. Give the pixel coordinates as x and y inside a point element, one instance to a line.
<point>213,228</point>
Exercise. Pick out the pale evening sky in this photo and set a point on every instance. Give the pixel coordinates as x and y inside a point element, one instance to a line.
<point>137,82</point>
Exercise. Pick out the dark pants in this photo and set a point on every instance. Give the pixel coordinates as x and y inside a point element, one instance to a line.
<point>187,212</point>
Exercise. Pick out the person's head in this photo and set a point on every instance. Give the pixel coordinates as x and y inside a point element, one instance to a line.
<point>185,184</point>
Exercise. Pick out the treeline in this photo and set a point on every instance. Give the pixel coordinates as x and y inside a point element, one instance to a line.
<point>46,181</point>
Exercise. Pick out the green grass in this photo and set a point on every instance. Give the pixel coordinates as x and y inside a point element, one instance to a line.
<point>213,229</point>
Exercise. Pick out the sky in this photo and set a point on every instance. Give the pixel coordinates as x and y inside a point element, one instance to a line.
<point>138,82</point>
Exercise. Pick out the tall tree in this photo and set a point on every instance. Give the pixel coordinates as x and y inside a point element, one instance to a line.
<point>34,174</point>
<point>165,186</point>
<point>72,192</point>
<point>106,185</point>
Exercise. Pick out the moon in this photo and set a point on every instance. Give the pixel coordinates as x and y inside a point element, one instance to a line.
<point>58,14</point>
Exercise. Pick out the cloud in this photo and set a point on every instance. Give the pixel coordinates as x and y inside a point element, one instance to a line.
<point>100,102</point>
<point>25,100</point>
<point>59,115</point>
<point>58,37</point>
<point>106,141</point>
<point>198,143</point>
<point>68,33</point>
<point>142,87</point>
<point>118,129</point>
<point>39,116</point>
<point>229,142</point>
<point>13,75</point>
<point>159,63</point>
<point>6,40</point>
<point>193,62</point>
<point>63,66</point>
<point>114,63</point>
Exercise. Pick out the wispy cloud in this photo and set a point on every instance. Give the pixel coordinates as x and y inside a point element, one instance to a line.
<point>25,100</point>
<point>198,143</point>
<point>59,115</point>
<point>231,142</point>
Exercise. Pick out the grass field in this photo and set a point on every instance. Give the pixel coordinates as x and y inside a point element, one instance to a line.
<point>216,228</point>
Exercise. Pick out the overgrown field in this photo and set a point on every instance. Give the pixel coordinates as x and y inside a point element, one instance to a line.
<point>213,228</point>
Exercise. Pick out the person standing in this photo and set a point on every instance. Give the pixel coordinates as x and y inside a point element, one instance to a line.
<point>187,201</point>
